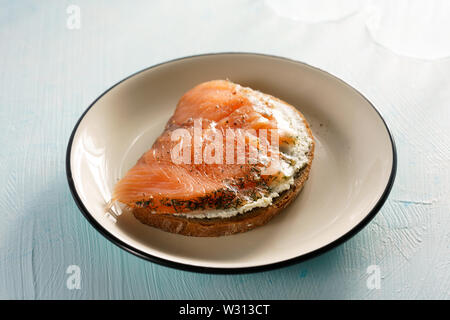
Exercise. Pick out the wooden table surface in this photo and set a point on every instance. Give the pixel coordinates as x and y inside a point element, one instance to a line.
<point>52,68</point>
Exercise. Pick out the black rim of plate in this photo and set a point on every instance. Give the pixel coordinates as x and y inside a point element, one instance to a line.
<point>194,268</point>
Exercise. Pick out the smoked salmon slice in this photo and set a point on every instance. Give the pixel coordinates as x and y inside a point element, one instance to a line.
<point>216,134</point>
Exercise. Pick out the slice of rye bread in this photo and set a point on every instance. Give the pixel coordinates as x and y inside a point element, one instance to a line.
<point>215,227</point>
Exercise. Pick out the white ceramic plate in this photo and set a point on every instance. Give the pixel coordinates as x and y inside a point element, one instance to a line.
<point>352,172</point>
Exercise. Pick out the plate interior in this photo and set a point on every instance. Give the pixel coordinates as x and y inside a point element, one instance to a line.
<point>351,169</point>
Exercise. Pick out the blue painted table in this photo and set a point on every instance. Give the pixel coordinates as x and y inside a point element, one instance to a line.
<point>56,57</point>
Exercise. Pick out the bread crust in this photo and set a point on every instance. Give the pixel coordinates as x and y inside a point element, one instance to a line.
<point>216,227</point>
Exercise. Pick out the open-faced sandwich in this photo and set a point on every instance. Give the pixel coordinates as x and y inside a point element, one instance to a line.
<point>230,159</point>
